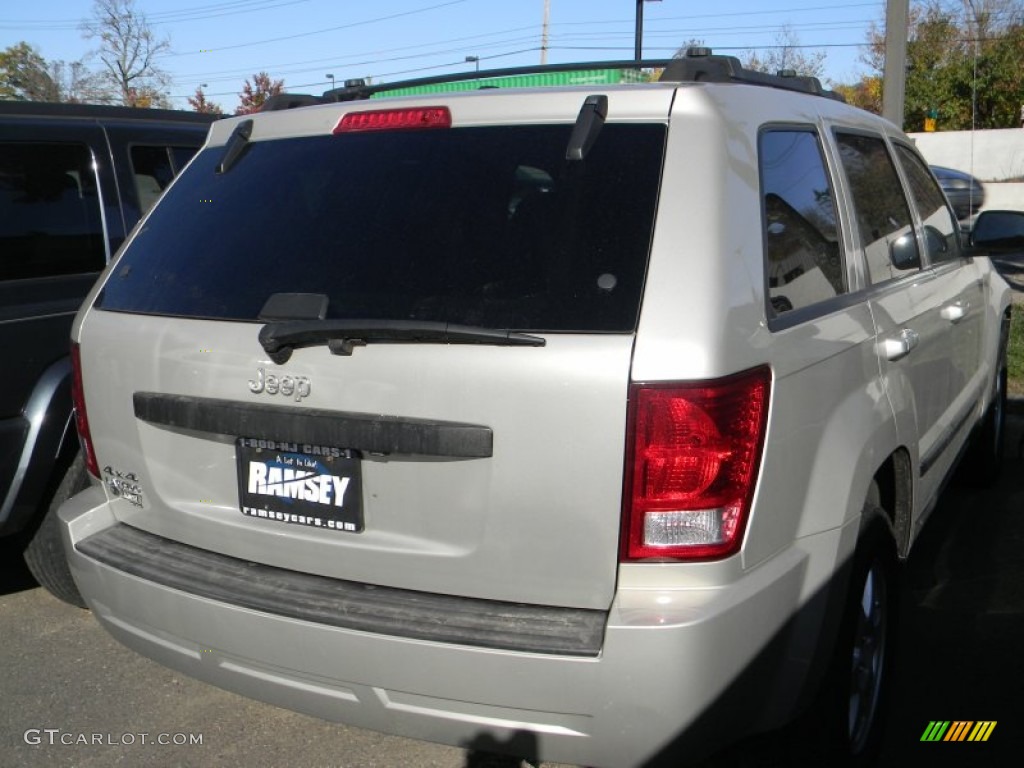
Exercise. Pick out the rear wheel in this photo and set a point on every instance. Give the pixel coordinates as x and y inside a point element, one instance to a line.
<point>984,457</point>
<point>44,555</point>
<point>868,654</point>
<point>856,690</point>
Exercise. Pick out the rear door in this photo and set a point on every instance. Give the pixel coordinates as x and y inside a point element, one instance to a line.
<point>447,410</point>
<point>57,207</point>
<point>965,310</point>
<point>908,299</point>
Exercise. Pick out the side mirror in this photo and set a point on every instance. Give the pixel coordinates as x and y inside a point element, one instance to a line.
<point>998,231</point>
<point>935,241</point>
<point>903,252</point>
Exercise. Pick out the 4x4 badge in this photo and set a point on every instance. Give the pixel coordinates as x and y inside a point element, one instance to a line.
<point>299,386</point>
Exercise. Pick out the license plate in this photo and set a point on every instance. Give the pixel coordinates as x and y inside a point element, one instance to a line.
<point>311,485</point>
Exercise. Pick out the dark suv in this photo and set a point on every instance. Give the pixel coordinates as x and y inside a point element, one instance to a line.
<point>74,180</point>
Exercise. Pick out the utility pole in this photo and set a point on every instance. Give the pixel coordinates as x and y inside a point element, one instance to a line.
<point>638,46</point>
<point>544,33</point>
<point>895,76</point>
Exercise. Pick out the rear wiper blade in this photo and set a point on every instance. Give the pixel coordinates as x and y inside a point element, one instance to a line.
<point>341,336</point>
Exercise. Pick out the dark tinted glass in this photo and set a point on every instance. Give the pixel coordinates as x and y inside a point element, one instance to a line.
<point>883,216</point>
<point>941,236</point>
<point>49,211</point>
<point>181,156</point>
<point>476,226</point>
<point>153,171</point>
<point>154,168</point>
<point>803,258</point>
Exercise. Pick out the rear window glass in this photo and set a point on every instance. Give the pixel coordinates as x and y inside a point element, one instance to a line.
<point>477,226</point>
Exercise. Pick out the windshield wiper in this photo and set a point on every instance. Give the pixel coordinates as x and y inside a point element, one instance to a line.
<point>341,336</point>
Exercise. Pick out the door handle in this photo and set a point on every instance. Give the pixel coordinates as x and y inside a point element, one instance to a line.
<point>955,312</point>
<point>899,346</point>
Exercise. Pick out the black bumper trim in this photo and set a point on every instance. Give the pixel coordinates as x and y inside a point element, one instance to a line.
<point>348,604</point>
<point>358,431</point>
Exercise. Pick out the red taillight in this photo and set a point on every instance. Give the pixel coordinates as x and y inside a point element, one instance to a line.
<point>81,419</point>
<point>692,464</point>
<point>394,119</point>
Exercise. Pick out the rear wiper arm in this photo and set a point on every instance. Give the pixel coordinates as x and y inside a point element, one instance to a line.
<point>341,336</point>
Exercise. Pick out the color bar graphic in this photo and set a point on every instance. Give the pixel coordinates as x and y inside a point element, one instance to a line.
<point>958,730</point>
<point>935,731</point>
<point>982,730</point>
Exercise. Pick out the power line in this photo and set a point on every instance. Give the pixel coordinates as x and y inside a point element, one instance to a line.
<point>379,57</point>
<point>157,18</point>
<point>343,60</point>
<point>602,34</point>
<point>368,62</point>
<point>350,25</point>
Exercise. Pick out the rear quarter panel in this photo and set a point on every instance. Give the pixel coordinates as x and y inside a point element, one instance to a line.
<point>704,316</point>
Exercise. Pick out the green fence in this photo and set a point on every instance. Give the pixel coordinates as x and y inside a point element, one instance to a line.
<point>540,79</point>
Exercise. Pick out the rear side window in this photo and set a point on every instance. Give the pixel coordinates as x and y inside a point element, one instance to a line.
<point>803,259</point>
<point>477,226</point>
<point>154,168</point>
<point>882,214</point>
<point>941,235</point>
<point>50,221</point>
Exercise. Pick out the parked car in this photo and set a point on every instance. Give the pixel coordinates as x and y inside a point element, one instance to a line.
<point>965,193</point>
<point>591,423</point>
<point>74,179</point>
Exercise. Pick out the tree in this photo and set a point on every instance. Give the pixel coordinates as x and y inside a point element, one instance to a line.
<point>963,64</point>
<point>129,51</point>
<point>24,75</point>
<point>866,94</point>
<point>253,95</point>
<point>988,18</point>
<point>76,83</point>
<point>693,42</point>
<point>199,103</point>
<point>786,53</point>
<point>147,97</point>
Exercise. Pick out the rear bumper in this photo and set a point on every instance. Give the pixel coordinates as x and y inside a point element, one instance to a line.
<point>679,672</point>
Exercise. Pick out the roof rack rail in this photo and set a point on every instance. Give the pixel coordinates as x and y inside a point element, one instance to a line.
<point>68,109</point>
<point>697,65</point>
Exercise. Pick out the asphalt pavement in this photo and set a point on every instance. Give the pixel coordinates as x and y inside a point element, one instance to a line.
<point>72,696</point>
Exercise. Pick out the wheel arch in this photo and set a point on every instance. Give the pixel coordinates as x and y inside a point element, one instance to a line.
<point>892,490</point>
<point>50,447</point>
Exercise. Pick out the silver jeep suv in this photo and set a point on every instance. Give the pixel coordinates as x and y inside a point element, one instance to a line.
<point>589,420</point>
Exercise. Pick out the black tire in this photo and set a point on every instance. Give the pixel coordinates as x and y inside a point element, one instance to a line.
<point>984,458</point>
<point>44,553</point>
<point>853,702</point>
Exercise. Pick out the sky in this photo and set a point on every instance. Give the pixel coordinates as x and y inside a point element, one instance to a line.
<point>220,43</point>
